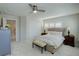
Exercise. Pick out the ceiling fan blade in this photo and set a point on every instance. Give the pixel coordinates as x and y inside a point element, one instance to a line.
<point>35,8</point>
<point>41,10</point>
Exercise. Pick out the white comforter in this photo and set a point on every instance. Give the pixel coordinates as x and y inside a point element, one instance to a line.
<point>53,40</point>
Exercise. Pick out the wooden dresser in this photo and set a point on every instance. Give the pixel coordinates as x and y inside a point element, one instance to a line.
<point>69,40</point>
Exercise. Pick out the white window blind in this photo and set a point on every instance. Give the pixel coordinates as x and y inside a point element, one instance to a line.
<point>51,25</point>
<point>58,24</point>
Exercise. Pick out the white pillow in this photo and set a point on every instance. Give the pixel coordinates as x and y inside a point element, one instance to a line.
<point>55,33</point>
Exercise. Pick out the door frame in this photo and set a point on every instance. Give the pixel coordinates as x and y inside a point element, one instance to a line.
<point>16,19</point>
<point>15,27</point>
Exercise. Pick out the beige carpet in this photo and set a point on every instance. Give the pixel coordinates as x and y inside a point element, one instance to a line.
<point>25,49</point>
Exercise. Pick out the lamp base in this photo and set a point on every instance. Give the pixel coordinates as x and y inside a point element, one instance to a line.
<point>68,32</point>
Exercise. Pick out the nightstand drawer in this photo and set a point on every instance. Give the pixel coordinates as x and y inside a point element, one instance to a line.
<point>69,40</point>
<point>69,43</point>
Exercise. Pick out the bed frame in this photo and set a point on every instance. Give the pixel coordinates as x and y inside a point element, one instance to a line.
<point>49,47</point>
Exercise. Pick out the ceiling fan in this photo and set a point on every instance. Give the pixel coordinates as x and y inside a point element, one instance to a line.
<point>35,8</point>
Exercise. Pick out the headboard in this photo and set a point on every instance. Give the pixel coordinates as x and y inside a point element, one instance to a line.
<point>57,30</point>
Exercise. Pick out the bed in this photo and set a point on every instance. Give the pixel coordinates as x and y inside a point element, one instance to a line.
<point>54,39</point>
<point>57,38</point>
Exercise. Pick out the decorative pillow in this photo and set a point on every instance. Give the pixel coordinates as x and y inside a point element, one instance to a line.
<point>55,33</point>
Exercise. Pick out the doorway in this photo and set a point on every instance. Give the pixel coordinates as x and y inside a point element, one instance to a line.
<point>12,27</point>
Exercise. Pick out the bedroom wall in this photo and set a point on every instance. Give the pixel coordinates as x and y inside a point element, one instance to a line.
<point>29,27</point>
<point>33,27</point>
<point>22,28</point>
<point>67,21</point>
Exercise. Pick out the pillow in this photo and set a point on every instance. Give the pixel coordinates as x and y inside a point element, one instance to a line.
<point>55,33</point>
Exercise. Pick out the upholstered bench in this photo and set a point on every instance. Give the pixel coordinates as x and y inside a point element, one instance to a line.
<point>40,44</point>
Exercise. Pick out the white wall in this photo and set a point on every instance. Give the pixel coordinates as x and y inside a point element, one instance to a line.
<point>29,27</point>
<point>22,28</point>
<point>33,27</point>
<point>67,21</point>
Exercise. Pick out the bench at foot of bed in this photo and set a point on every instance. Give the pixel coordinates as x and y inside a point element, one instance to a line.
<point>40,44</point>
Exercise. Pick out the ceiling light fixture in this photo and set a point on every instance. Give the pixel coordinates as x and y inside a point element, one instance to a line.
<point>35,11</point>
<point>35,8</point>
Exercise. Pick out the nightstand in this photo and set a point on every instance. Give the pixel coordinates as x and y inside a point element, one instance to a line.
<point>69,40</point>
<point>43,33</point>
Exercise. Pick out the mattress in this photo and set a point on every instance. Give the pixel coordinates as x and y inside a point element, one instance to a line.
<point>52,40</point>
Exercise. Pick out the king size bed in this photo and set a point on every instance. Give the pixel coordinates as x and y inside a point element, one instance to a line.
<point>53,39</point>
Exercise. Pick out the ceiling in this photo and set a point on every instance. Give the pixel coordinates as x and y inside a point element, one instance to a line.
<point>52,9</point>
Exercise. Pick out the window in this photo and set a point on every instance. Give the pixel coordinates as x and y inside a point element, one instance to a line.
<point>52,25</point>
<point>58,24</point>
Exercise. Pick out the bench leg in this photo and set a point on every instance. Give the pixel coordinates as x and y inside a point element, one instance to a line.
<point>41,49</point>
<point>52,53</point>
<point>32,45</point>
<point>45,48</point>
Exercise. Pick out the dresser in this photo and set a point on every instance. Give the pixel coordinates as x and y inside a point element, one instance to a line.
<point>5,42</point>
<point>69,40</point>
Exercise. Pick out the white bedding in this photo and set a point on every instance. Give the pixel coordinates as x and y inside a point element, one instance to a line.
<point>54,40</point>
